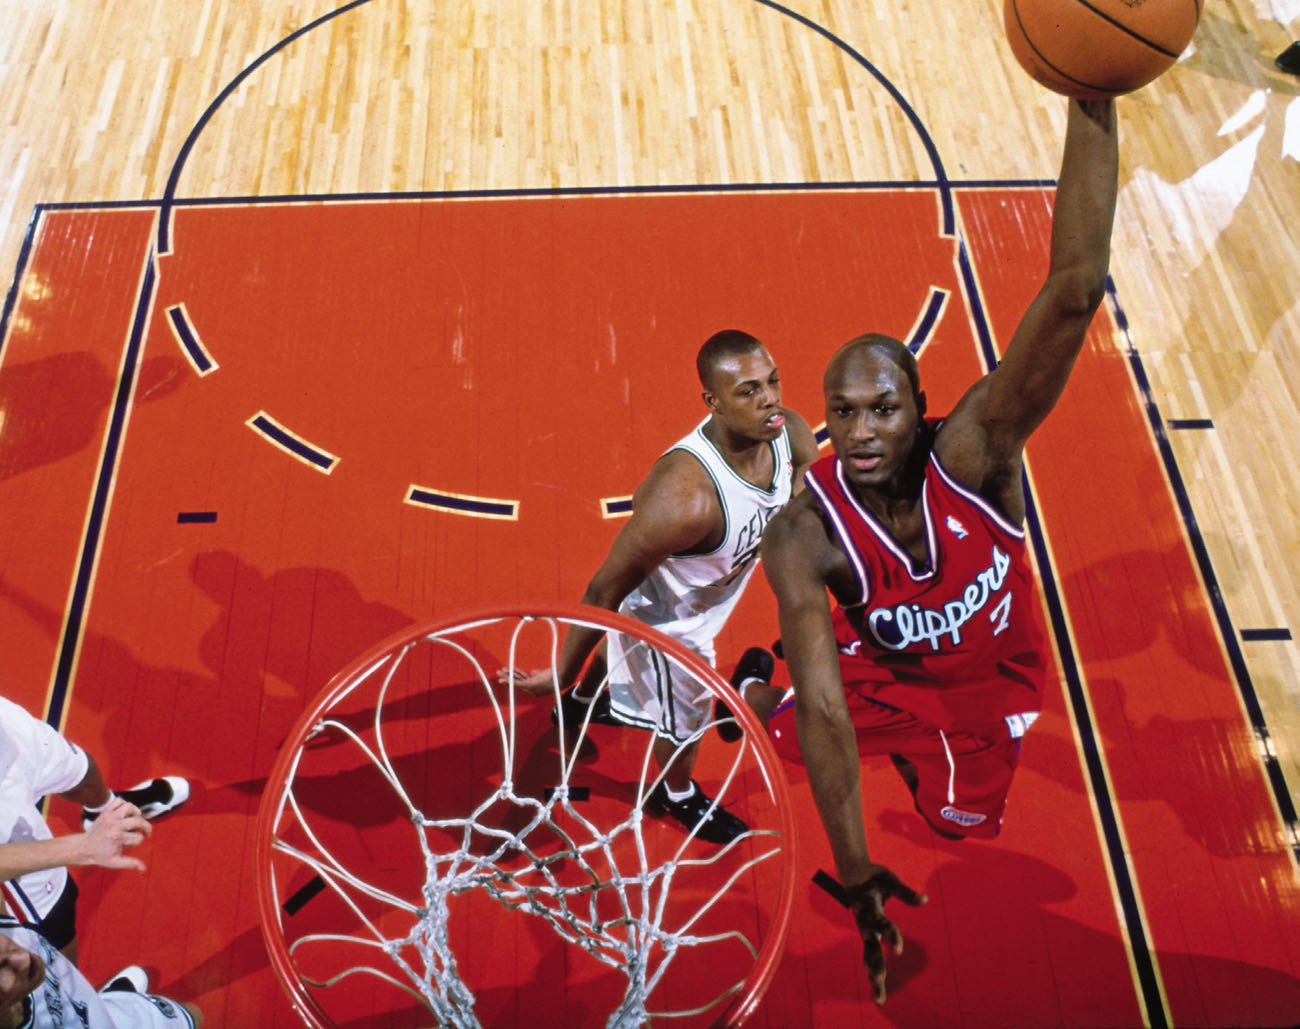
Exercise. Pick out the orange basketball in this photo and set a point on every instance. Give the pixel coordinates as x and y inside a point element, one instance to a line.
<point>1098,48</point>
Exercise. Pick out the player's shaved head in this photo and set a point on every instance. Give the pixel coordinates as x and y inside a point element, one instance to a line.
<point>872,343</point>
<point>723,346</point>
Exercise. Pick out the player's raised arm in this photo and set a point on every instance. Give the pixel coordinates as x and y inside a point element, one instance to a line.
<point>1007,405</point>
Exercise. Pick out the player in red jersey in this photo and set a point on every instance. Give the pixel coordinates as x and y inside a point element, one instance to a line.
<point>914,526</point>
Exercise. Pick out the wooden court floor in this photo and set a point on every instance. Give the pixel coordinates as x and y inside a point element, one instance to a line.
<point>219,391</point>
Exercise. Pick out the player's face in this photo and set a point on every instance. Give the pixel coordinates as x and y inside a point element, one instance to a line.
<point>872,418</point>
<point>21,972</point>
<point>746,396</point>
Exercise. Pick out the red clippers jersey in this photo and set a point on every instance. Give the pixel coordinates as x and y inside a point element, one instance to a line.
<point>956,641</point>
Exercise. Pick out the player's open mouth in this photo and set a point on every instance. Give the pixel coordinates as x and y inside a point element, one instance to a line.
<point>865,462</point>
<point>774,421</point>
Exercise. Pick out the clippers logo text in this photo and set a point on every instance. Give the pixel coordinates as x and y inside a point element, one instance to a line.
<point>897,628</point>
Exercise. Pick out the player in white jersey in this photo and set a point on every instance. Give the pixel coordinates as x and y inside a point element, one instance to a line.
<point>682,561</point>
<point>690,596</point>
<point>41,989</point>
<point>36,761</point>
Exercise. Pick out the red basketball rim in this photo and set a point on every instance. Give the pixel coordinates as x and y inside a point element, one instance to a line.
<point>740,1009</point>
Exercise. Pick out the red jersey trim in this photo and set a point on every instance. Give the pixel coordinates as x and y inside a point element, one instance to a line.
<point>859,566</point>
<point>882,534</point>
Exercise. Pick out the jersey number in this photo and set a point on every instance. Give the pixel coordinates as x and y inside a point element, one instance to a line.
<point>1000,616</point>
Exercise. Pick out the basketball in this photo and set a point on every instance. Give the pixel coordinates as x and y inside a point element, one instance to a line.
<point>1092,49</point>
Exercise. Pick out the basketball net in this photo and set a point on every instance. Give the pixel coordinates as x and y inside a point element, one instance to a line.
<point>593,880</point>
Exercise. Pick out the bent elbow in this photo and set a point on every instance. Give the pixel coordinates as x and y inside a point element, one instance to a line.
<point>1079,291</point>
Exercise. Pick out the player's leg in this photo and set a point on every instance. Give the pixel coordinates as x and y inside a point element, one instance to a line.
<point>911,777</point>
<point>677,761</point>
<point>960,780</point>
<point>587,695</point>
<point>680,797</point>
<point>876,723</point>
<point>752,679</point>
<point>650,691</point>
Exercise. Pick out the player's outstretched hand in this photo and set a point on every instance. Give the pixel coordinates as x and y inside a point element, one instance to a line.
<point>867,902</point>
<point>119,827</point>
<point>539,683</point>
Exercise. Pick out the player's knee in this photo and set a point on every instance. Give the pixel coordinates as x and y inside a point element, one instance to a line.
<point>781,728</point>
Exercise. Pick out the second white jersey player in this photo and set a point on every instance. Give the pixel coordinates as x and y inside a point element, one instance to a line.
<point>690,596</point>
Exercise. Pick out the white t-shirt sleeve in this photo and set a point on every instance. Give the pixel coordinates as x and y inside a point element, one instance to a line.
<point>34,757</point>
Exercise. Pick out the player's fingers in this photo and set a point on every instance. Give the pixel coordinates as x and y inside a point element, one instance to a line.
<point>135,825</point>
<point>891,885</point>
<point>874,958</point>
<point>893,937</point>
<point>910,896</point>
<point>132,819</point>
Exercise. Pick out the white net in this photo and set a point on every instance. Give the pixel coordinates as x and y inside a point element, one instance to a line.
<point>514,814</point>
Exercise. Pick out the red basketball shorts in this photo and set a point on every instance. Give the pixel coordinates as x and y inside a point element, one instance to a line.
<point>961,780</point>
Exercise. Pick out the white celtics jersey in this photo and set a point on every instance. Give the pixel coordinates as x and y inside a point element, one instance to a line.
<point>690,597</point>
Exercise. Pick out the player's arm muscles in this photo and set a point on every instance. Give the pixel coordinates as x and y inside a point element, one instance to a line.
<point>988,428</point>
<point>803,445</point>
<point>796,558</point>
<point>673,511</point>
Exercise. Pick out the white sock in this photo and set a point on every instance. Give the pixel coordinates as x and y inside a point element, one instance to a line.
<point>96,810</point>
<point>676,797</point>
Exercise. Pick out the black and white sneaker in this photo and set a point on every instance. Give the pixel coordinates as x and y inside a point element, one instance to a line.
<point>154,798</point>
<point>716,826</point>
<point>575,710</point>
<point>755,665</point>
<point>132,979</point>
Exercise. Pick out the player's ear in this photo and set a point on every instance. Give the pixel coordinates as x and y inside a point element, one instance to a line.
<point>710,401</point>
